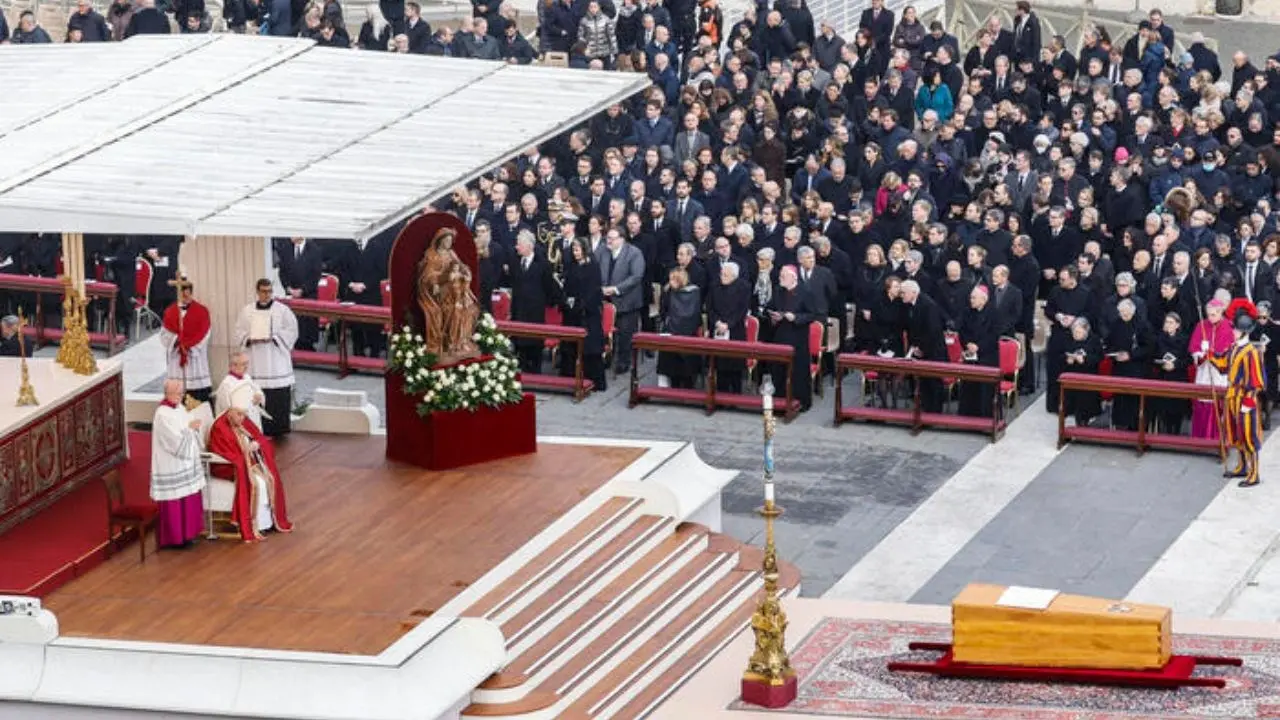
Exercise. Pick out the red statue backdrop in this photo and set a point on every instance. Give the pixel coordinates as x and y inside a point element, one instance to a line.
<point>444,440</point>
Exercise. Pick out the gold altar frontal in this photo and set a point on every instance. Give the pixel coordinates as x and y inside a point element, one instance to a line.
<point>1075,631</point>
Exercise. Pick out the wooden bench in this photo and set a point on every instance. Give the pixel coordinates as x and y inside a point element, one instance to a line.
<point>1141,439</point>
<point>710,398</point>
<point>914,416</point>
<point>343,313</point>
<point>346,363</point>
<point>93,290</point>
<point>577,384</point>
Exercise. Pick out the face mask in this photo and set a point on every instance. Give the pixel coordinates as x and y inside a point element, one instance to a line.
<point>1159,161</point>
<point>1208,167</point>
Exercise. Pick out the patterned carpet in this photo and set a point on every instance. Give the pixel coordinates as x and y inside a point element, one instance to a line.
<point>841,667</point>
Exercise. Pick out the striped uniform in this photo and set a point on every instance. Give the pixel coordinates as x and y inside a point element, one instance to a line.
<point>1243,368</point>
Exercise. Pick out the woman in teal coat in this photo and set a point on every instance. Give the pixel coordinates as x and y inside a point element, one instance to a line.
<point>934,95</point>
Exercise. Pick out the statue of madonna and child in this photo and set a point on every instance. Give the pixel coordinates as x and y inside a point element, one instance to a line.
<point>449,308</point>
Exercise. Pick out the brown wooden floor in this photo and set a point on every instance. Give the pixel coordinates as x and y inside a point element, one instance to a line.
<point>374,542</point>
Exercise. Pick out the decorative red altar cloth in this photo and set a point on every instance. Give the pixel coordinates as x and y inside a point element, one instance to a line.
<point>75,435</point>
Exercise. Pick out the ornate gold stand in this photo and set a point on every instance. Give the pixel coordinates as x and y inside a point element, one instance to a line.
<point>769,680</point>
<point>74,352</point>
<point>26,393</point>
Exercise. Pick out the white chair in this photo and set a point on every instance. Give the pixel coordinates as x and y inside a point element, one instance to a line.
<point>219,494</point>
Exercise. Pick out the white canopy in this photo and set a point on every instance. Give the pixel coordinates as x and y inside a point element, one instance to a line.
<point>242,135</point>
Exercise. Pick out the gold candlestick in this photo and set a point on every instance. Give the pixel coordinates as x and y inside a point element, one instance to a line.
<point>769,680</point>
<point>68,321</point>
<point>74,352</point>
<point>26,393</point>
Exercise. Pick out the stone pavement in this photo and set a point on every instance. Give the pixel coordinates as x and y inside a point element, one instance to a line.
<point>1091,523</point>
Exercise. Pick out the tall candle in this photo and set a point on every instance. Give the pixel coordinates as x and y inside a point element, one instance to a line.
<point>768,402</point>
<point>768,493</point>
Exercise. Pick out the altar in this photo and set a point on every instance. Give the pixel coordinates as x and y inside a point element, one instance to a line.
<point>74,435</point>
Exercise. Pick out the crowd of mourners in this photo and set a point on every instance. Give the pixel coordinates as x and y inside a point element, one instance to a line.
<point>918,195</point>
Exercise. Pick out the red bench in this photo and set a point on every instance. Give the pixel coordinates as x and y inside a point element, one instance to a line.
<point>709,398</point>
<point>915,417</point>
<point>1140,439</point>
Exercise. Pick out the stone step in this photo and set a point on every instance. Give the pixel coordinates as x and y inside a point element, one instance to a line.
<point>517,591</point>
<point>633,586</point>
<point>647,694</point>
<point>588,577</point>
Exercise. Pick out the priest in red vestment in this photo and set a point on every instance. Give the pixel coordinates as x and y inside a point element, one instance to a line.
<point>260,500</point>
<point>185,334</point>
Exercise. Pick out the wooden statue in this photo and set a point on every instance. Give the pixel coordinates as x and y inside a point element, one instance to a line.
<point>449,308</point>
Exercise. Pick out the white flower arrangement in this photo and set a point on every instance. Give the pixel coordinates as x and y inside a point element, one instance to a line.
<point>492,382</point>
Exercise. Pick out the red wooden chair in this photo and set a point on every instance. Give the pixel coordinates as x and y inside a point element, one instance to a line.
<point>955,354</point>
<point>815,355</point>
<point>500,301</point>
<point>609,323</point>
<point>326,291</point>
<point>138,517</point>
<point>1010,349</point>
<point>553,317</point>
<point>1105,368</point>
<point>143,272</point>
<point>385,287</point>
<point>752,326</point>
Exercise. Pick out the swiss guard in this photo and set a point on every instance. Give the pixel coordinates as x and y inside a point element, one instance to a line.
<point>1242,365</point>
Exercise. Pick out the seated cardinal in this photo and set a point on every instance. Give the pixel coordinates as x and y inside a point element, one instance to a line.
<point>260,502</point>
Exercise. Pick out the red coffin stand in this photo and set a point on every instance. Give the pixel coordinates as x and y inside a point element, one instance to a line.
<point>445,440</point>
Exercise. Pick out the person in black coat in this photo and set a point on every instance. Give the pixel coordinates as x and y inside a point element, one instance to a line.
<point>790,313</point>
<point>681,314</point>
<point>1124,205</point>
<point>491,259</point>
<point>1170,360</point>
<point>120,263</point>
<point>583,306</point>
<point>147,20</point>
<point>879,22</point>
<point>728,303</point>
<point>533,289</point>
<point>10,346</point>
<point>11,263</point>
<point>1128,342</point>
<point>926,340</point>
<point>363,270</point>
<point>162,252</point>
<point>1006,302</point>
<point>301,265</point>
<point>980,340</point>
<point>1081,352</point>
<point>1067,303</point>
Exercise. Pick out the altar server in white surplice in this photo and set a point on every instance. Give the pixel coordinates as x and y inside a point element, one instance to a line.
<point>177,476</point>
<point>267,331</point>
<point>239,384</point>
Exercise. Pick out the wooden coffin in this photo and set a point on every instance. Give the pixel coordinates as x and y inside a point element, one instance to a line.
<point>1073,632</point>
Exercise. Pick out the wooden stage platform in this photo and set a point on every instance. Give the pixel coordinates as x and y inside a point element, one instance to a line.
<point>375,543</point>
